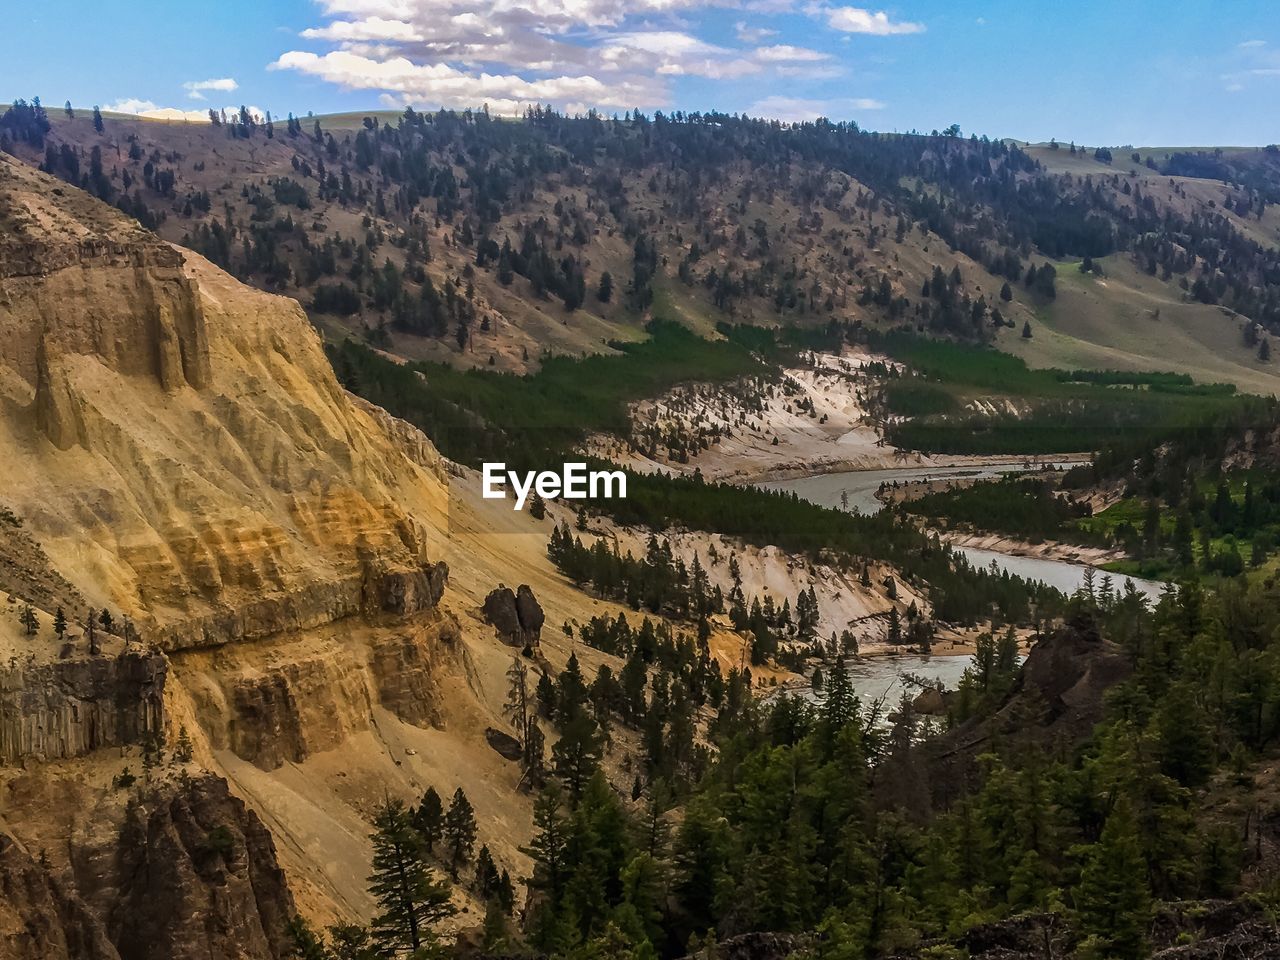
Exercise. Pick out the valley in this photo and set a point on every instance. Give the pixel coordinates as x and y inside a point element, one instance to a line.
<point>939,605</point>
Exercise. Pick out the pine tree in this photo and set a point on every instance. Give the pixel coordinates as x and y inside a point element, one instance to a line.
<point>550,854</point>
<point>534,754</point>
<point>60,623</point>
<point>91,633</point>
<point>546,693</point>
<point>517,704</point>
<point>576,755</point>
<point>1113,898</point>
<point>29,619</point>
<point>350,941</point>
<point>487,878</point>
<point>459,831</point>
<point>183,750</point>
<point>506,895</point>
<point>571,692</point>
<point>411,899</point>
<point>97,119</point>
<point>494,932</point>
<point>428,819</point>
<point>537,506</point>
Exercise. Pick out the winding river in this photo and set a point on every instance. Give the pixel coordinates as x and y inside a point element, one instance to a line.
<point>859,488</point>
<point>880,678</point>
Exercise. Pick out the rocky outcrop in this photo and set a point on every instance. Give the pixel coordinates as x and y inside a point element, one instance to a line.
<point>189,874</point>
<point>407,667</point>
<point>39,918</point>
<point>193,875</point>
<point>504,744</point>
<point>379,591</point>
<point>403,591</point>
<point>282,701</point>
<point>68,708</point>
<point>517,617</point>
<point>411,441</point>
<point>178,445</point>
<point>1056,701</point>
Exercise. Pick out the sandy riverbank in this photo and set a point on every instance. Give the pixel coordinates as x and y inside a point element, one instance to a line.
<point>818,425</point>
<point>1047,550</point>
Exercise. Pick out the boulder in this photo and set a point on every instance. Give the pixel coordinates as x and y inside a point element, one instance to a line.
<point>517,617</point>
<point>507,746</point>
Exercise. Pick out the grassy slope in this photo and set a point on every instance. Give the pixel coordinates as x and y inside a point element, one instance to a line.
<point>1094,323</point>
<point>1111,323</point>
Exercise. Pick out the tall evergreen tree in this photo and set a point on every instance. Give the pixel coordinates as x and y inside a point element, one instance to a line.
<point>411,900</point>
<point>1113,897</point>
<point>576,755</point>
<point>459,831</point>
<point>428,819</point>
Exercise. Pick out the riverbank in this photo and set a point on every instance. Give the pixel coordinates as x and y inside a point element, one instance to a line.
<point>1046,550</point>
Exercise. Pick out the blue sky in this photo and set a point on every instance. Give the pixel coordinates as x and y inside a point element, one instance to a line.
<point>1182,72</point>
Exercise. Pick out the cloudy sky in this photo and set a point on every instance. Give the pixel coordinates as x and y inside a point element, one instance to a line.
<point>1096,71</point>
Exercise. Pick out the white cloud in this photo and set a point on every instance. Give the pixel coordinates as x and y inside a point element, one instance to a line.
<point>152,111</point>
<point>752,34</point>
<point>1250,44</point>
<point>666,42</point>
<point>509,53</point>
<point>858,20</point>
<point>145,108</point>
<point>441,84</point>
<point>196,89</point>
<point>796,110</point>
<point>373,28</point>
<point>810,71</point>
<point>785,53</point>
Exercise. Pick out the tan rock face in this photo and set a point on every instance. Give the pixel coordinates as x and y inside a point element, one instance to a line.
<point>284,700</point>
<point>180,452</point>
<point>178,444</point>
<point>40,919</point>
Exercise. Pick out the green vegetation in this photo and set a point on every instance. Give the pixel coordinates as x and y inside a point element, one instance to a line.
<point>1230,527</point>
<point>475,415</point>
<point>530,421</point>
<point>1025,507</point>
<point>976,400</point>
<point>1178,518</point>
<point>813,817</point>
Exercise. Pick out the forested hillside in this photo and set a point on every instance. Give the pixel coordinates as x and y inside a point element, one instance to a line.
<point>482,241</point>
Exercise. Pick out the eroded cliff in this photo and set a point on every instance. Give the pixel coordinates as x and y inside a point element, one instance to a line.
<point>178,444</point>
<point>183,870</point>
<point>174,448</point>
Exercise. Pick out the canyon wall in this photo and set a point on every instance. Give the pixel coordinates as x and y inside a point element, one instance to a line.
<point>175,448</point>
<point>68,708</point>
<point>187,872</point>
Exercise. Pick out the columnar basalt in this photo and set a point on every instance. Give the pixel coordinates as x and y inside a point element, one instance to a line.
<point>68,708</point>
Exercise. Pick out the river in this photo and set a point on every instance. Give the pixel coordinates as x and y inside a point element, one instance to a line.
<point>860,486</point>
<point>881,677</point>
